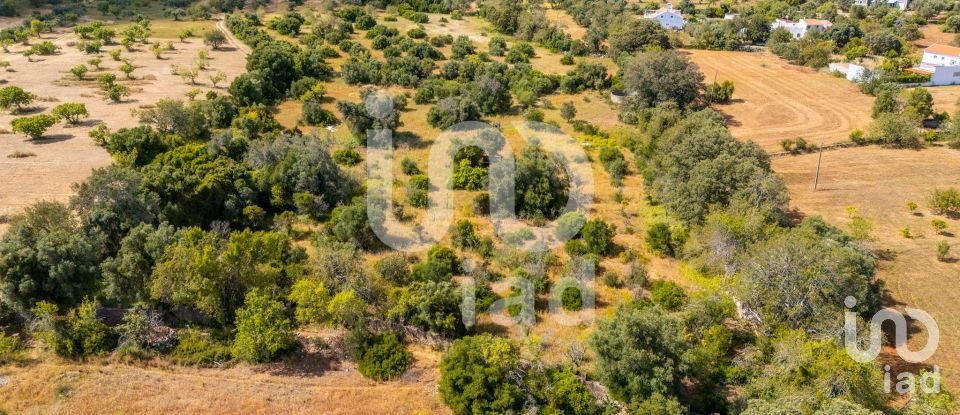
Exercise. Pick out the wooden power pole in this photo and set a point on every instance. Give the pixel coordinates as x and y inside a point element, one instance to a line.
<point>816,181</point>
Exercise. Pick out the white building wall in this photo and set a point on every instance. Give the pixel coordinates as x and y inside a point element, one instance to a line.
<point>945,75</point>
<point>936,59</point>
<point>670,20</point>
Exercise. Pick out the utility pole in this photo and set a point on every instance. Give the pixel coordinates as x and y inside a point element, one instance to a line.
<point>819,159</point>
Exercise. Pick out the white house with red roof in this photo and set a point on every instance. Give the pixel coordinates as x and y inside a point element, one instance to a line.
<point>800,28</point>
<point>668,17</point>
<point>942,63</point>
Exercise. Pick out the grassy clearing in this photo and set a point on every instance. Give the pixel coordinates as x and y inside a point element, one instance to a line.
<point>879,183</point>
<point>775,100</point>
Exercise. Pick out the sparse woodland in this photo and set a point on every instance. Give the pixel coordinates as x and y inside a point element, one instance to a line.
<point>251,226</point>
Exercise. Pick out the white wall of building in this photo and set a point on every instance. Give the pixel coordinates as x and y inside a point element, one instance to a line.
<point>936,59</point>
<point>945,75</point>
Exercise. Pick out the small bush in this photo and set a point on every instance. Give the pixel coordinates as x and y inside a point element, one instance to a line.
<point>796,146</point>
<point>943,250</point>
<point>384,358</point>
<point>660,239</point>
<point>612,280</point>
<point>638,275</point>
<point>481,204</point>
<point>571,299</point>
<point>196,348</point>
<point>409,167</point>
<point>668,295</point>
<point>347,157</point>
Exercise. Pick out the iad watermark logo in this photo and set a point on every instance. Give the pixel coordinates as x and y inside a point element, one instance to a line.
<point>501,182</point>
<point>929,381</point>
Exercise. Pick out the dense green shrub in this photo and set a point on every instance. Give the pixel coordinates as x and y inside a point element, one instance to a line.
<point>196,348</point>
<point>384,358</point>
<point>263,330</point>
<point>598,235</point>
<point>571,299</point>
<point>668,295</point>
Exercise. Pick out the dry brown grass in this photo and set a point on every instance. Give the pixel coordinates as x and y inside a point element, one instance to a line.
<point>775,100</point>
<point>305,385</point>
<point>879,182</point>
<point>946,98</point>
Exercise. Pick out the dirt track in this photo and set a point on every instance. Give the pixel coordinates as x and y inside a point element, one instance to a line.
<point>775,100</point>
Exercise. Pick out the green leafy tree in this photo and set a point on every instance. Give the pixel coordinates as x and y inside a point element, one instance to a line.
<point>887,101</point>
<point>109,204</point>
<point>71,112</point>
<point>311,298</point>
<point>895,130</point>
<point>799,279</point>
<point>126,274</point>
<point>662,76</point>
<point>919,105</point>
<point>944,202</point>
<point>79,71</point>
<point>44,256</point>
<point>263,330</point>
<point>15,98</point>
<point>639,353</point>
<point>82,335</point>
<point>346,309</point>
<point>111,90</point>
<point>33,126</point>
<point>127,68</point>
<point>476,376</point>
<point>450,111</point>
<point>541,184</point>
<point>277,62</point>
<point>629,35</point>
<point>568,111</point>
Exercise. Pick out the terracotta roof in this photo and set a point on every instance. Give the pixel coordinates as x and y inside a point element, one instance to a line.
<point>943,50</point>
<point>817,22</point>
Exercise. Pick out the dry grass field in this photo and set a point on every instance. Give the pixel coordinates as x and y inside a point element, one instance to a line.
<point>946,98</point>
<point>66,154</point>
<point>309,383</point>
<point>775,100</point>
<point>879,182</point>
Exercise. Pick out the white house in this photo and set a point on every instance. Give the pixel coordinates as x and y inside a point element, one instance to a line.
<point>900,4</point>
<point>667,16</point>
<point>800,28</point>
<point>942,63</point>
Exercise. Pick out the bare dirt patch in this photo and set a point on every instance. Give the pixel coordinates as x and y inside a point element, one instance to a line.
<point>879,182</point>
<point>66,154</point>
<point>775,100</point>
